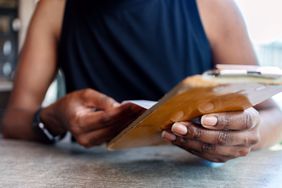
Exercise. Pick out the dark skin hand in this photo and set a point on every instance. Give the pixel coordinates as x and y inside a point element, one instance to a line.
<point>220,136</point>
<point>231,134</point>
<point>92,118</point>
<point>229,43</point>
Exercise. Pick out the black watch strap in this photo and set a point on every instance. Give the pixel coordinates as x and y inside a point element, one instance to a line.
<point>41,129</point>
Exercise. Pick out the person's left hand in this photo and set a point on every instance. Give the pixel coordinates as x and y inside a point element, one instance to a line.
<point>220,137</point>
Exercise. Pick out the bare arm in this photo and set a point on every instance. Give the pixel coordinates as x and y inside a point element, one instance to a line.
<point>75,112</point>
<point>230,43</point>
<point>225,136</point>
<point>36,70</point>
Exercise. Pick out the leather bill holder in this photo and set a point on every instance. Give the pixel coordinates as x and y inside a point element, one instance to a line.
<point>221,90</point>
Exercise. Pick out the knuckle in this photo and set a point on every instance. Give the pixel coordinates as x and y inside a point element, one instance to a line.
<point>254,139</point>
<point>251,139</point>
<point>84,142</point>
<point>221,160</point>
<point>74,118</point>
<point>211,159</point>
<point>208,148</point>
<point>217,159</point>
<point>233,152</point>
<point>194,152</point>
<point>194,133</point>
<point>74,128</point>
<point>258,137</point>
<point>105,118</point>
<point>108,100</point>
<point>105,98</point>
<point>223,121</point>
<point>74,125</point>
<point>246,140</point>
<point>243,152</point>
<point>181,142</point>
<point>87,92</point>
<point>224,137</point>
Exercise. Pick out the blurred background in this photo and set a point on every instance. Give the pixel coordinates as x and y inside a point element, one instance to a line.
<point>15,16</point>
<point>263,19</point>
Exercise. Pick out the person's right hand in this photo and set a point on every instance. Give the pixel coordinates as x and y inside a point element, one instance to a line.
<point>92,118</point>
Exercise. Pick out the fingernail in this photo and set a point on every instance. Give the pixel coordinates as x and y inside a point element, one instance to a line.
<point>179,129</point>
<point>209,121</point>
<point>168,136</point>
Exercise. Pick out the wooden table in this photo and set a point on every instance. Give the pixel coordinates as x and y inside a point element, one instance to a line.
<point>65,165</point>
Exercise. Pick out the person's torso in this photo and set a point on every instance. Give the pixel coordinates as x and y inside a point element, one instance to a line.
<point>132,49</point>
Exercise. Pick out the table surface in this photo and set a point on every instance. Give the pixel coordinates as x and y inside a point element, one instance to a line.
<point>24,164</point>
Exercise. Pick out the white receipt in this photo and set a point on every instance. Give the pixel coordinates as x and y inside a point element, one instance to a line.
<point>143,103</point>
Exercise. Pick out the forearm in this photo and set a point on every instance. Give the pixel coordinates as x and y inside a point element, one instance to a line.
<point>17,124</point>
<point>270,128</point>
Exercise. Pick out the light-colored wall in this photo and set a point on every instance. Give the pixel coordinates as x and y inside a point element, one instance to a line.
<point>26,8</point>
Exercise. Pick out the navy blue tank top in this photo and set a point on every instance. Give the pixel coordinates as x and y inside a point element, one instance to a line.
<point>132,49</point>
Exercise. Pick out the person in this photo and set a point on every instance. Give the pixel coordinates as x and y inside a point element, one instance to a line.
<point>112,51</point>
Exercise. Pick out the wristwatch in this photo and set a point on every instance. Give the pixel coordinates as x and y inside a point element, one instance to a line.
<point>41,129</point>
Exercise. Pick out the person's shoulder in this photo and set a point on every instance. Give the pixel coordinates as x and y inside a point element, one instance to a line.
<point>51,6</point>
<point>221,18</point>
<point>50,14</point>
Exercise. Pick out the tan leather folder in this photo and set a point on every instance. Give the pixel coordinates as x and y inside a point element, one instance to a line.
<point>225,89</point>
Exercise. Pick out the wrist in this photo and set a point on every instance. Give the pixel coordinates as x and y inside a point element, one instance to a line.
<point>51,123</point>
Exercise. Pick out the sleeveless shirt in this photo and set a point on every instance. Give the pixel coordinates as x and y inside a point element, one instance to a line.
<point>132,49</point>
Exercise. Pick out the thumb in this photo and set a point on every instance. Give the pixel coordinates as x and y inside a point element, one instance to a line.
<point>99,100</point>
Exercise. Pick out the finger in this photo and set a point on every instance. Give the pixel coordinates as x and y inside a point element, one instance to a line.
<point>97,137</point>
<point>228,151</point>
<point>216,150</point>
<point>98,100</point>
<point>101,136</point>
<point>209,157</point>
<point>231,120</point>
<point>172,139</point>
<point>101,119</point>
<point>232,138</point>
